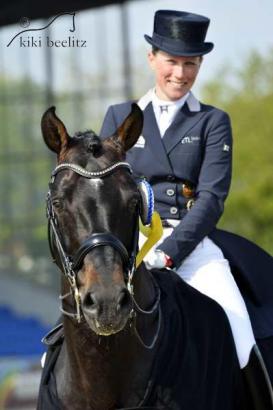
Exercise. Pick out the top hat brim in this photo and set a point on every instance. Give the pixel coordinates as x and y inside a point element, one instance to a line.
<point>177,47</point>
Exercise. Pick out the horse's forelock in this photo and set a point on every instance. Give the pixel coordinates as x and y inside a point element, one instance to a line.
<point>88,133</point>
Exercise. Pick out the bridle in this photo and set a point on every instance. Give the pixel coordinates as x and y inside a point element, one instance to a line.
<point>70,265</point>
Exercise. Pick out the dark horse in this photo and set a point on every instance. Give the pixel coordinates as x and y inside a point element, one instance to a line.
<point>128,338</point>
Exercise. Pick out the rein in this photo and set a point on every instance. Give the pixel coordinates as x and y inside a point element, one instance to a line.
<point>71,265</point>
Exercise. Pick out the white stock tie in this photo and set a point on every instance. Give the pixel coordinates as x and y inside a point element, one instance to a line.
<point>165,118</point>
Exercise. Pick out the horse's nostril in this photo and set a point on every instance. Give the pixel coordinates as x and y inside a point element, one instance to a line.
<point>90,301</point>
<point>124,299</point>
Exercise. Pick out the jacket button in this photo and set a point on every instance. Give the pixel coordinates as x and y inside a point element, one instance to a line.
<point>170,192</point>
<point>170,178</point>
<point>173,210</point>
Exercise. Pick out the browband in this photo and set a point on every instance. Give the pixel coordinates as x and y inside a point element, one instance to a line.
<point>90,174</point>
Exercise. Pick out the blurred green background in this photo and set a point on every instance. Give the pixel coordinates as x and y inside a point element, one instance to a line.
<point>249,207</point>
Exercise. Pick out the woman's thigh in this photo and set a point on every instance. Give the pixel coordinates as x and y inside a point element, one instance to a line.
<point>208,271</point>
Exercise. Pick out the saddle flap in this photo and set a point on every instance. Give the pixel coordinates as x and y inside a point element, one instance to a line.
<point>55,336</point>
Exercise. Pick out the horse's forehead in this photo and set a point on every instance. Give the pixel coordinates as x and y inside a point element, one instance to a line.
<point>77,187</point>
<point>80,152</point>
<point>96,183</point>
<point>109,191</point>
<point>89,141</point>
<point>72,182</point>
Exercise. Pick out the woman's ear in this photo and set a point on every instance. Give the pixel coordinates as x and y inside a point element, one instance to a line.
<point>151,59</point>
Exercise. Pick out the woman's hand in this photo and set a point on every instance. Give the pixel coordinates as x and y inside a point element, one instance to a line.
<point>157,259</point>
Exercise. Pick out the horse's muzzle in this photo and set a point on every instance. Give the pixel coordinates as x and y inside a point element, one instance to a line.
<point>107,310</point>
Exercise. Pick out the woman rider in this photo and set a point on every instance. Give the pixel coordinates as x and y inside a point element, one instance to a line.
<point>185,152</point>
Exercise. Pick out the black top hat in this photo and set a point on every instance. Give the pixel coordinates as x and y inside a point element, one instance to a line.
<point>180,33</point>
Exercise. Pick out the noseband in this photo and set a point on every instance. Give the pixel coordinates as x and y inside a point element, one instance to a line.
<point>70,265</point>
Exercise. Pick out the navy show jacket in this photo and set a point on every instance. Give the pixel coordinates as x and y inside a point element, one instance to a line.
<point>197,148</point>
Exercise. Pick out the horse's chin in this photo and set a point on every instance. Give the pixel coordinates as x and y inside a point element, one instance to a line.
<point>105,329</point>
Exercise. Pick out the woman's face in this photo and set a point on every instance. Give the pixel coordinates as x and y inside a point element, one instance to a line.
<point>174,75</point>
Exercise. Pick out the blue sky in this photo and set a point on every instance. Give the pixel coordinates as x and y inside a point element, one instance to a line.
<point>236,28</point>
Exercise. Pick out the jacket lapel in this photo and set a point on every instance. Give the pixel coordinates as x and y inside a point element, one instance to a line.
<point>153,138</point>
<point>184,120</point>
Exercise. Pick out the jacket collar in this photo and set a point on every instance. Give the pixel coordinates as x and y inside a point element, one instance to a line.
<point>189,115</point>
<point>153,138</point>
<point>185,119</point>
<point>193,104</point>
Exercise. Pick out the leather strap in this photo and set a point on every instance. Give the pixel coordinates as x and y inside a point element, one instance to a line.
<point>96,240</point>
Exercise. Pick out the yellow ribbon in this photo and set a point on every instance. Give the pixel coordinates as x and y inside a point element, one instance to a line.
<point>153,233</point>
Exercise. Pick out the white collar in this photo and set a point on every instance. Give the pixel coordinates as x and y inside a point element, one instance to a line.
<point>174,105</point>
<point>193,103</point>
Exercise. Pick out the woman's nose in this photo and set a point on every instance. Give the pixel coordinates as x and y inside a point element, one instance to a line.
<point>179,72</point>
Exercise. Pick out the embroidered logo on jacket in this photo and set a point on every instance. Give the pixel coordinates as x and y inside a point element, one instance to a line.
<point>140,142</point>
<point>226,147</point>
<point>190,139</point>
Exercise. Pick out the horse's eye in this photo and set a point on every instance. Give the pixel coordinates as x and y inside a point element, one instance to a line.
<point>57,204</point>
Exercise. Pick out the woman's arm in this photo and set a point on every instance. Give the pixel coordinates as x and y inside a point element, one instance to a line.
<point>212,190</point>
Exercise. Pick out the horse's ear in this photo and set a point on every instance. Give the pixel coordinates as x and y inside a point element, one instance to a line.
<point>54,131</point>
<point>130,130</point>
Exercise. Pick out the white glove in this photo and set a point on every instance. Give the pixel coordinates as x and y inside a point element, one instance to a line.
<point>157,259</point>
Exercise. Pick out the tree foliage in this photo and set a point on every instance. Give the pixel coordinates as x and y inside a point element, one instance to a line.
<point>249,207</point>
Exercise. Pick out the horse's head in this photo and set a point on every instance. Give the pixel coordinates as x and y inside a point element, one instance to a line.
<point>93,217</point>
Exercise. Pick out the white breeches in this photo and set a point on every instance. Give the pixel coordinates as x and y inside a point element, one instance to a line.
<point>208,271</point>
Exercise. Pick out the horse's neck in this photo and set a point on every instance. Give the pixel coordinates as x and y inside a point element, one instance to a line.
<point>144,289</point>
<point>102,370</point>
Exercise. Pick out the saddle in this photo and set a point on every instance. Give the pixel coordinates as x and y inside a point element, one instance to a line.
<point>252,269</point>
